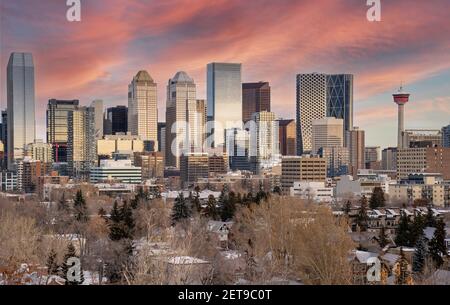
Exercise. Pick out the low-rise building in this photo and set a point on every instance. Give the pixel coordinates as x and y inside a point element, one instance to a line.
<point>309,190</point>
<point>120,171</point>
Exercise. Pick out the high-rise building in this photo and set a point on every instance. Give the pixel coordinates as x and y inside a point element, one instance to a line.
<point>446,136</point>
<point>28,173</point>
<point>21,105</point>
<point>372,154</point>
<point>194,166</point>
<point>57,126</point>
<point>356,147</point>
<point>338,160</point>
<point>423,160</point>
<point>82,148</point>
<point>327,133</point>
<point>238,148</point>
<point>224,91</point>
<point>38,150</point>
<point>319,96</point>
<point>197,126</point>
<point>98,120</point>
<point>301,168</point>
<point>218,163</point>
<point>287,137</point>
<point>162,137</point>
<point>4,135</point>
<point>116,120</point>
<point>264,144</point>
<point>143,109</point>
<point>151,163</point>
<point>255,98</point>
<point>389,158</point>
<point>181,108</point>
<point>420,138</point>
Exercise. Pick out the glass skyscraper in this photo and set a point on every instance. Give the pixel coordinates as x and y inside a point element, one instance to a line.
<point>224,92</point>
<point>21,105</point>
<point>340,99</point>
<point>446,136</point>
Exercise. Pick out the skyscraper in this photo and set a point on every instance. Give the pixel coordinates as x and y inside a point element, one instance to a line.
<point>446,136</point>
<point>327,132</point>
<point>98,120</point>
<point>21,105</point>
<point>389,158</point>
<point>319,96</point>
<point>4,135</point>
<point>255,98</point>
<point>356,144</point>
<point>162,137</point>
<point>81,152</point>
<point>180,108</point>
<point>224,91</point>
<point>287,137</point>
<point>57,126</point>
<point>116,120</point>
<point>143,108</point>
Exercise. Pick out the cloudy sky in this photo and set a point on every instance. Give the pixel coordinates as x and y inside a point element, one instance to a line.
<point>274,40</point>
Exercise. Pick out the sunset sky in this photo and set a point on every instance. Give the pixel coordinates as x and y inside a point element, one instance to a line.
<point>274,40</point>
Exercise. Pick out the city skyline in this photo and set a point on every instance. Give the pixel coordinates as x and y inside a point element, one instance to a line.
<point>69,68</point>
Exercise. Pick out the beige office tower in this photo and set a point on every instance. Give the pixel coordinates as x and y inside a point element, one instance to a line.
<point>327,133</point>
<point>143,109</point>
<point>98,118</point>
<point>185,119</point>
<point>304,168</point>
<point>38,150</point>
<point>81,150</point>
<point>356,144</point>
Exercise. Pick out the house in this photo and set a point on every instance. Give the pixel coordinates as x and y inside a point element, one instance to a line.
<point>222,230</point>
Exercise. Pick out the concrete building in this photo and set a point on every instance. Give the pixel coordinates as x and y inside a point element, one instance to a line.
<point>8,181</point>
<point>362,185</point>
<point>151,163</point>
<point>194,166</point>
<point>162,137</point>
<point>423,160</point>
<point>119,142</point>
<point>38,150</point>
<point>98,118</point>
<point>143,109</point>
<point>28,172</point>
<point>320,96</point>
<point>224,92</point>
<point>82,146</point>
<point>255,98</point>
<point>218,163</point>
<point>356,148</point>
<point>287,137</point>
<point>58,126</point>
<point>315,191</point>
<point>238,149</point>
<point>389,158</point>
<point>446,136</point>
<point>327,133</point>
<point>337,160</point>
<point>302,168</point>
<point>120,171</point>
<point>21,105</point>
<point>421,138</point>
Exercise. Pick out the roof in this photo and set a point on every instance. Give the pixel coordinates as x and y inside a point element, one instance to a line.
<point>185,260</point>
<point>182,77</point>
<point>143,76</point>
<point>363,256</point>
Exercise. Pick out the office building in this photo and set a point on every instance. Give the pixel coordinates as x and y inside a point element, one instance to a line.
<point>319,96</point>
<point>238,148</point>
<point>4,139</point>
<point>98,118</point>
<point>119,142</point>
<point>224,96</point>
<point>327,133</point>
<point>446,136</point>
<point>287,137</point>
<point>255,98</point>
<point>143,109</point>
<point>194,166</point>
<point>372,154</point>
<point>423,160</point>
<point>312,191</point>
<point>151,163</point>
<point>218,164</point>
<point>57,126</point>
<point>338,160</point>
<point>21,105</point>
<point>162,137</point>
<point>82,146</point>
<point>421,138</point>
<point>302,168</point>
<point>116,170</point>
<point>356,148</point>
<point>389,158</point>
<point>116,120</point>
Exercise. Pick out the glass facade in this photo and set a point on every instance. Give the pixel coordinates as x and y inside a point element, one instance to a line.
<point>224,92</point>
<point>21,105</point>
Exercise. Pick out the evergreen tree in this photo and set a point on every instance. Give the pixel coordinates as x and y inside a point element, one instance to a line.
<point>71,253</point>
<point>347,207</point>
<point>416,229</point>
<point>402,273</point>
<point>180,209</point>
<point>52,264</point>
<point>80,208</point>
<point>430,219</point>
<point>383,239</point>
<point>362,218</point>
<point>228,207</point>
<point>403,237</point>
<point>126,213</point>
<point>211,209</point>
<point>261,195</point>
<point>377,199</point>
<point>116,229</point>
<point>437,247</point>
<point>101,212</point>
<point>420,255</point>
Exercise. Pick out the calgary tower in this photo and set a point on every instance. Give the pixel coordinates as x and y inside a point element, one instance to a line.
<point>401,98</point>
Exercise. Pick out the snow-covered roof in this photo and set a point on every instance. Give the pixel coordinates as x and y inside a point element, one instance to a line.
<point>363,256</point>
<point>185,260</point>
<point>391,258</point>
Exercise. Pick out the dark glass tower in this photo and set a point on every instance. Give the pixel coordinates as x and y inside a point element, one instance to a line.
<point>116,120</point>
